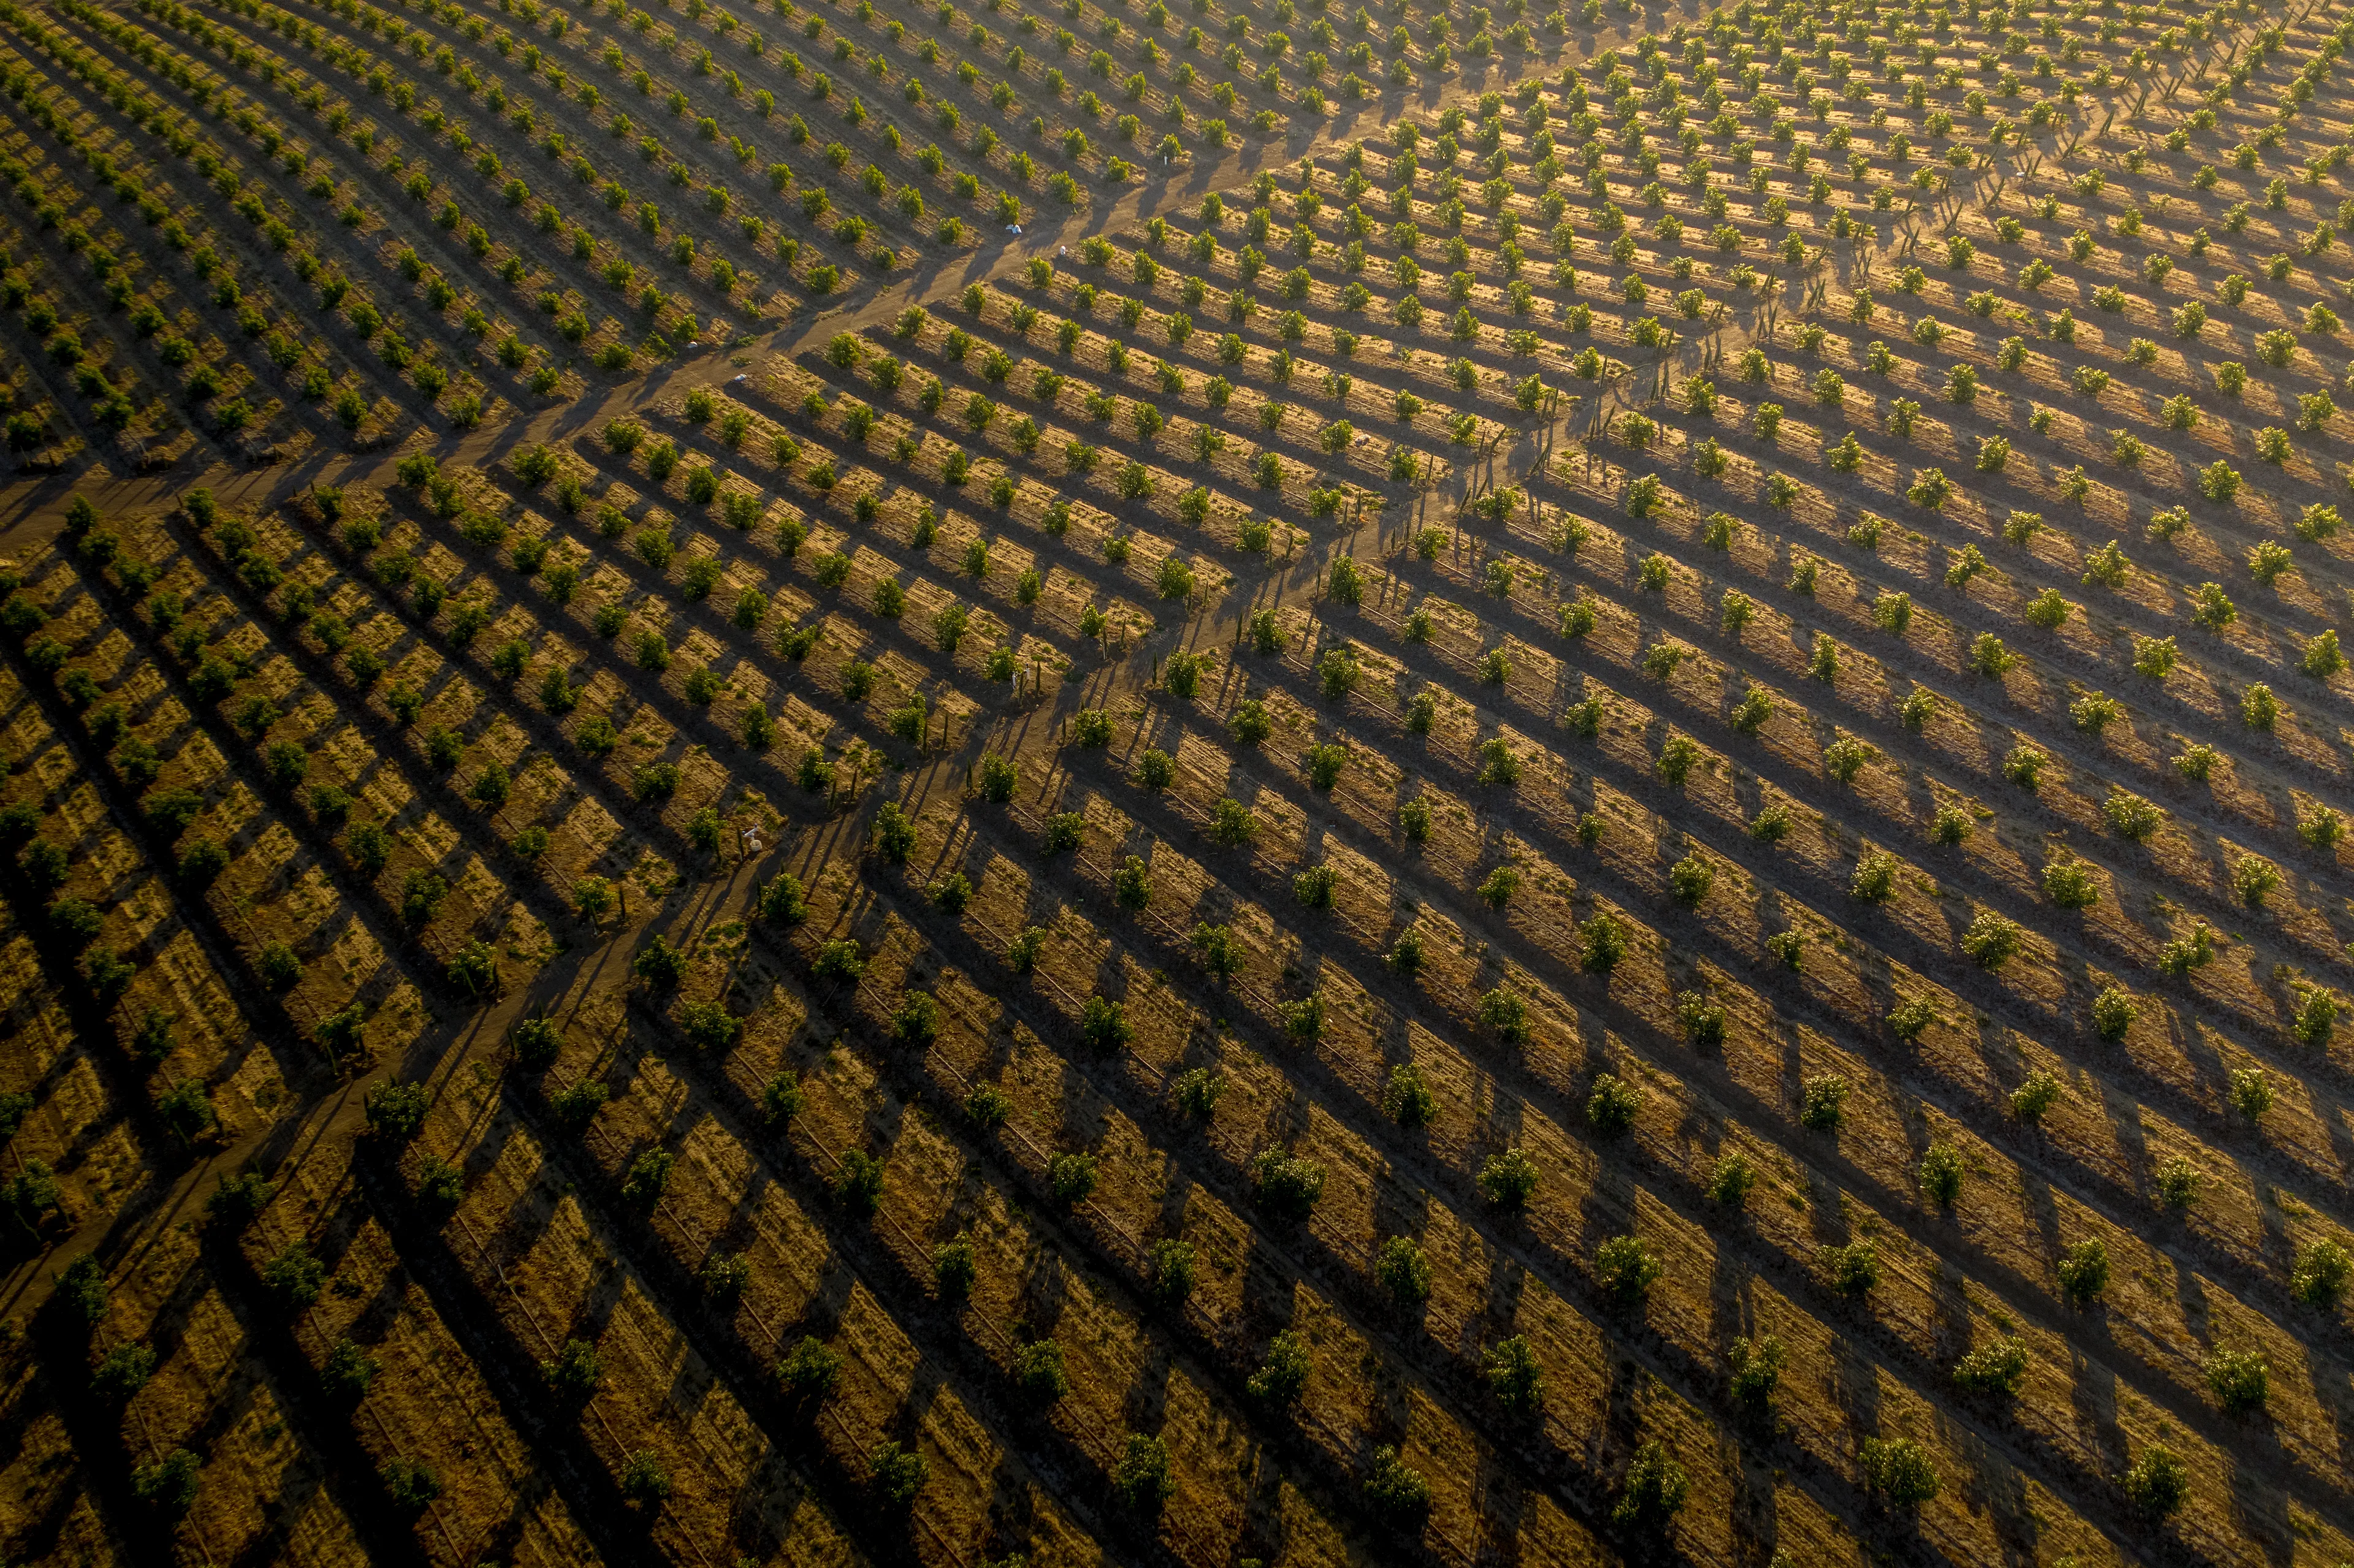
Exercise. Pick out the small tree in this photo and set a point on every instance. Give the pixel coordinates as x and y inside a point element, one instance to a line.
<point>1284,1375</point>
<point>294,1274</point>
<point>1140,1479</point>
<point>575,1372</point>
<point>894,834</point>
<point>2176,1184</point>
<point>237,1199</point>
<point>1999,1367</point>
<point>1395,1490</point>
<point>1625,1269</point>
<point>1507,1179</point>
<point>1729,1181</point>
<point>1941,1174</point>
<point>1602,942</point>
<point>169,1485</point>
<point>1132,884</point>
<point>1406,1098</point>
<point>2083,1272</point>
<point>411,1484</point>
<point>724,1274</point>
<point>2114,1012</point>
<point>1852,1269</point>
<point>1822,1102</point>
<point>1104,1025</point>
<point>395,1111</point>
<point>82,1287</point>
<point>1071,1178</point>
<point>1613,1105</point>
<point>896,1473</point>
<point>2158,1483</point>
<point>1899,1470</point>
<point>1654,1493</point>
<point>954,1268</point>
<point>1038,1371</point>
<point>811,1369</point>
<point>648,1178</point>
<point>858,1183</point>
<point>1514,1376</point>
<point>2238,1379</point>
<point>348,1370</point>
<point>1403,1269</point>
<point>2319,1278</point>
<point>123,1372</point>
<point>1756,1369</point>
<point>660,965</point>
<point>1991,940</point>
<point>1286,1183</point>
<point>1171,1270</point>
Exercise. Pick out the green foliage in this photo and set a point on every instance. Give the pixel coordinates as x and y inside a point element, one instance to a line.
<point>2250,1093</point>
<point>168,1485</point>
<point>2323,1268</point>
<point>347,1371</point>
<point>1514,1376</point>
<point>1875,881</point>
<point>1997,1367</point>
<point>1822,1102</point>
<point>1602,943</point>
<point>1406,1098</point>
<point>896,1473</point>
<point>1402,1269</point>
<point>1624,1270</point>
<point>2069,883</point>
<point>122,1372</point>
<point>1731,1178</point>
<point>1071,1177</point>
<point>1140,1480</point>
<point>1172,1270</point>
<point>1991,939</point>
<point>2240,1380</point>
<point>1039,1372</point>
<point>2082,1272</point>
<point>1507,1179</point>
<point>1612,1107</point>
<point>294,1274</point>
<point>1283,1376</point>
<point>1756,1369</point>
<point>1941,1174</point>
<point>1652,1494</point>
<point>411,1484</point>
<point>395,1110</point>
<point>1394,1490</point>
<point>1852,1269</point>
<point>1198,1091</point>
<point>1899,1470</point>
<point>811,1369</point>
<point>2157,1483</point>
<point>1287,1183</point>
<point>2035,1096</point>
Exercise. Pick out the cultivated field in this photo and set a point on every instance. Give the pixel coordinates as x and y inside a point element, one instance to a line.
<point>1559,788</point>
